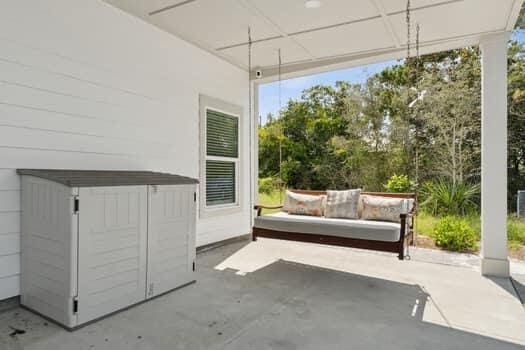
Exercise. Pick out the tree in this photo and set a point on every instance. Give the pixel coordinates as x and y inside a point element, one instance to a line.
<point>359,135</point>
<point>516,123</point>
<point>521,19</point>
<point>450,113</point>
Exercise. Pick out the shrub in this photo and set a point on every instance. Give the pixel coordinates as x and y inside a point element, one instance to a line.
<point>455,234</point>
<point>399,184</point>
<point>268,185</point>
<point>442,197</point>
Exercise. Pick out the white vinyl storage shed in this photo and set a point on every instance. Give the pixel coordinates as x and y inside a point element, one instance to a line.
<point>94,242</point>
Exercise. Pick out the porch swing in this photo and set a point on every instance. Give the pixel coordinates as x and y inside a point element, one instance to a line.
<point>393,236</point>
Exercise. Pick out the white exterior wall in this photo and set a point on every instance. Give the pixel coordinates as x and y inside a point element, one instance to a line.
<point>84,85</point>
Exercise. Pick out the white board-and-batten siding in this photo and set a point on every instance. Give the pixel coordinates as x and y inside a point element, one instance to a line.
<point>84,85</point>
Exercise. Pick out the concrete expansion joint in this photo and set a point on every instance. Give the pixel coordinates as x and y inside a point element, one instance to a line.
<point>276,309</point>
<point>437,307</point>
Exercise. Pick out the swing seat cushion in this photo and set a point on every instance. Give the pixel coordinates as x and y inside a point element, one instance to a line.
<point>358,229</point>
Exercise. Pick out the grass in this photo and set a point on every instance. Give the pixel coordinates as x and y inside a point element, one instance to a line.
<point>516,232</point>
<point>272,199</point>
<point>425,224</point>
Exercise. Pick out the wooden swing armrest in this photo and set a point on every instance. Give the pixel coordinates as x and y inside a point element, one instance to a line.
<point>259,208</point>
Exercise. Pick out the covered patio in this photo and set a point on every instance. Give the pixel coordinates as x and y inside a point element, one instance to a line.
<point>272,294</point>
<point>315,37</point>
<point>120,84</point>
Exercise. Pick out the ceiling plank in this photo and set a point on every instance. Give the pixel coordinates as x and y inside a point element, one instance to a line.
<point>514,14</point>
<point>386,21</point>
<point>246,43</point>
<point>255,10</point>
<point>289,71</point>
<point>390,27</point>
<point>170,7</point>
<point>424,7</point>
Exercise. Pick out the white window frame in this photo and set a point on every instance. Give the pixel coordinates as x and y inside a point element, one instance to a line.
<point>207,103</point>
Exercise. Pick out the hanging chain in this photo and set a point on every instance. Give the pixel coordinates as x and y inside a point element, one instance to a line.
<point>280,79</point>
<point>416,109</point>
<point>417,52</point>
<point>281,130</point>
<point>408,19</point>
<point>408,81</point>
<point>417,126</point>
<point>408,62</point>
<point>250,116</point>
<point>250,70</point>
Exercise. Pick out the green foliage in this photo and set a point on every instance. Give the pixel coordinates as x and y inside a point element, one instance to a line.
<point>399,184</point>
<point>455,234</point>
<point>425,223</point>
<point>335,137</point>
<point>516,123</point>
<point>269,138</point>
<point>270,199</point>
<point>358,135</point>
<point>442,197</point>
<point>268,185</point>
<point>516,232</point>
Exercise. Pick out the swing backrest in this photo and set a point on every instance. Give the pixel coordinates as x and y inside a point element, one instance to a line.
<point>382,194</point>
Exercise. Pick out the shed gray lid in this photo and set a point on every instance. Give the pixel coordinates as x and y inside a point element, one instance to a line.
<point>97,178</point>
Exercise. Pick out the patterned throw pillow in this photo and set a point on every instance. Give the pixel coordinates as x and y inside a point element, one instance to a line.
<point>342,204</point>
<point>382,208</point>
<point>303,204</point>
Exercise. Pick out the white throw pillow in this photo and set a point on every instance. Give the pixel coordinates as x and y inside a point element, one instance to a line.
<point>342,204</point>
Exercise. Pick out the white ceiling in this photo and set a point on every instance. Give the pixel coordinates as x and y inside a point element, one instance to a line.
<point>339,29</point>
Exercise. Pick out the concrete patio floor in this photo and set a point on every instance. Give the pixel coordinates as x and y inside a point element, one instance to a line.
<point>286,295</point>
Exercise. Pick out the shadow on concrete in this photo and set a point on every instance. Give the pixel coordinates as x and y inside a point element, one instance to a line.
<point>512,286</point>
<point>519,288</point>
<point>323,308</point>
<point>506,284</point>
<point>283,305</point>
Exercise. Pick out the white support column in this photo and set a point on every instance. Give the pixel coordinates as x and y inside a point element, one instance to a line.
<point>494,155</point>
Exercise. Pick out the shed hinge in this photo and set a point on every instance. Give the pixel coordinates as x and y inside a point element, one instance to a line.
<point>76,205</point>
<point>194,266</point>
<point>195,196</point>
<point>75,305</point>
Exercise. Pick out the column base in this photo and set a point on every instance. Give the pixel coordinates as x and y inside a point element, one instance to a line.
<point>495,267</point>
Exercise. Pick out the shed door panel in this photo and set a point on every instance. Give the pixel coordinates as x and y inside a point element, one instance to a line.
<point>112,249</point>
<point>171,238</point>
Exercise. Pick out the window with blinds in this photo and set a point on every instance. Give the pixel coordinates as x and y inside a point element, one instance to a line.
<point>222,157</point>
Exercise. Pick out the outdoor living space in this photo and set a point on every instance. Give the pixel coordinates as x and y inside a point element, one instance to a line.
<point>133,162</point>
<point>273,294</point>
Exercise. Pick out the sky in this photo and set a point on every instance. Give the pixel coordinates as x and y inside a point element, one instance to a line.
<point>293,88</point>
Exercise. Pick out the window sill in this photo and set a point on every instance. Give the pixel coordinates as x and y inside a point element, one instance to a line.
<point>210,212</point>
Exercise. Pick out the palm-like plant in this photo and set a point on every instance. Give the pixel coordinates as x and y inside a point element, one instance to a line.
<point>443,197</point>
